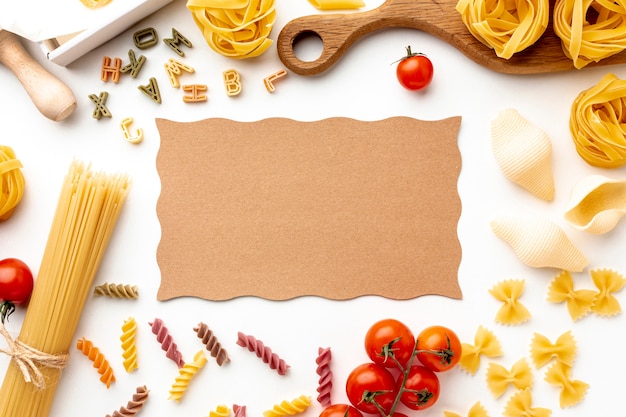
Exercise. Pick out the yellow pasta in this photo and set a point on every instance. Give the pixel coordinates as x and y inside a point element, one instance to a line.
<point>586,40</point>
<point>337,4</point>
<point>512,311</point>
<point>87,210</point>
<point>220,411</point>
<point>499,378</point>
<point>579,302</point>
<point>542,350</point>
<point>608,282</point>
<point>506,26</point>
<point>185,375</point>
<point>237,28</point>
<point>129,346</point>
<point>485,344</point>
<point>572,391</point>
<point>520,404</point>
<point>289,408</point>
<point>477,410</point>
<point>596,123</point>
<point>11,182</point>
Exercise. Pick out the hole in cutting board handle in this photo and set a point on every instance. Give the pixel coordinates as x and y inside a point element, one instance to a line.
<point>307,46</point>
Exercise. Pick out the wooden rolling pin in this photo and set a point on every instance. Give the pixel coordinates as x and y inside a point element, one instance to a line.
<point>50,95</point>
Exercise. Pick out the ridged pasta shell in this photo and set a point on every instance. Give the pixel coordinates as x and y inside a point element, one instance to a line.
<point>539,242</point>
<point>596,204</point>
<point>523,152</point>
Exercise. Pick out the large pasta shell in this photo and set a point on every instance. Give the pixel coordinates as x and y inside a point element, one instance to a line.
<point>539,242</point>
<point>523,152</point>
<point>596,204</point>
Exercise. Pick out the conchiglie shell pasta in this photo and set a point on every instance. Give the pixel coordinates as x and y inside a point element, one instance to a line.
<point>596,204</point>
<point>523,153</point>
<point>539,242</point>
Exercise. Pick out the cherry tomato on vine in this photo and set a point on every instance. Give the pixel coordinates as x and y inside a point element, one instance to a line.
<point>340,410</point>
<point>16,285</point>
<point>438,348</point>
<point>388,341</point>
<point>421,388</point>
<point>371,386</point>
<point>415,70</point>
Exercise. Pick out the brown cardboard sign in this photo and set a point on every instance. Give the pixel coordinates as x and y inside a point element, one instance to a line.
<point>336,208</point>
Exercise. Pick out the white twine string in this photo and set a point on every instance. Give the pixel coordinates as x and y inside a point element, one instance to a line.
<point>29,359</point>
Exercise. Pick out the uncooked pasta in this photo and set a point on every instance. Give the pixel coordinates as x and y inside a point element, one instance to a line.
<point>236,29</point>
<point>507,27</point>
<point>212,344</point>
<point>117,290</point>
<point>11,182</point>
<point>166,340</point>
<point>590,30</point>
<point>263,352</point>
<point>87,211</point>
<point>129,344</point>
<point>107,376</point>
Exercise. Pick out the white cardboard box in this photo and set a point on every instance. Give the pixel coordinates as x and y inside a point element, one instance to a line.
<point>87,40</point>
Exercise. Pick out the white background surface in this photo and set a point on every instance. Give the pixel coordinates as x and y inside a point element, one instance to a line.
<point>362,86</point>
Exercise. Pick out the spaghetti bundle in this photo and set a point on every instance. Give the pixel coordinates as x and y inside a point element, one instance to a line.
<point>590,30</point>
<point>508,26</point>
<point>11,182</point>
<point>236,29</point>
<point>597,121</point>
<point>86,214</point>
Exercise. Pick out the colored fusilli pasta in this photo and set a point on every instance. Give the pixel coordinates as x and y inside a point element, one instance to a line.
<point>325,382</point>
<point>117,290</point>
<point>167,342</point>
<point>105,370</point>
<point>133,406</point>
<point>185,375</point>
<point>129,347</point>
<point>263,352</point>
<point>289,408</point>
<point>212,344</point>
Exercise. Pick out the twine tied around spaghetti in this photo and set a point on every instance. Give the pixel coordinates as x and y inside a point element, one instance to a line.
<point>29,360</point>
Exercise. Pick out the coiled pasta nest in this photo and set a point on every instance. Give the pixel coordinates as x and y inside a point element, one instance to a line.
<point>508,26</point>
<point>11,182</point>
<point>235,28</point>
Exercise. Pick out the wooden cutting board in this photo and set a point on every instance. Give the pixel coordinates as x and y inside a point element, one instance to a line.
<point>338,31</point>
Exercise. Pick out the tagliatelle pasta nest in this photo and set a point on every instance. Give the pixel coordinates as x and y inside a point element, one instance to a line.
<point>597,121</point>
<point>508,26</point>
<point>590,30</point>
<point>235,28</point>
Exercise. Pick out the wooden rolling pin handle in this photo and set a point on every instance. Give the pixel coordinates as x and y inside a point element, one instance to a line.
<point>51,96</point>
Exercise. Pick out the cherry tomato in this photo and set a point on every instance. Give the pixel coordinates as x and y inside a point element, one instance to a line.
<point>389,342</point>
<point>438,348</point>
<point>414,70</point>
<point>16,285</point>
<point>340,410</point>
<point>370,386</point>
<point>421,389</point>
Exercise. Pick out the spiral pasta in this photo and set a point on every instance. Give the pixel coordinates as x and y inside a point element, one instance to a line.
<point>262,352</point>
<point>185,375</point>
<point>133,406</point>
<point>99,361</point>
<point>117,290</point>
<point>325,382</point>
<point>11,182</point>
<point>236,29</point>
<point>587,40</point>
<point>129,347</point>
<point>289,408</point>
<point>167,342</point>
<point>597,123</point>
<point>220,411</point>
<point>212,344</point>
<point>508,26</point>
